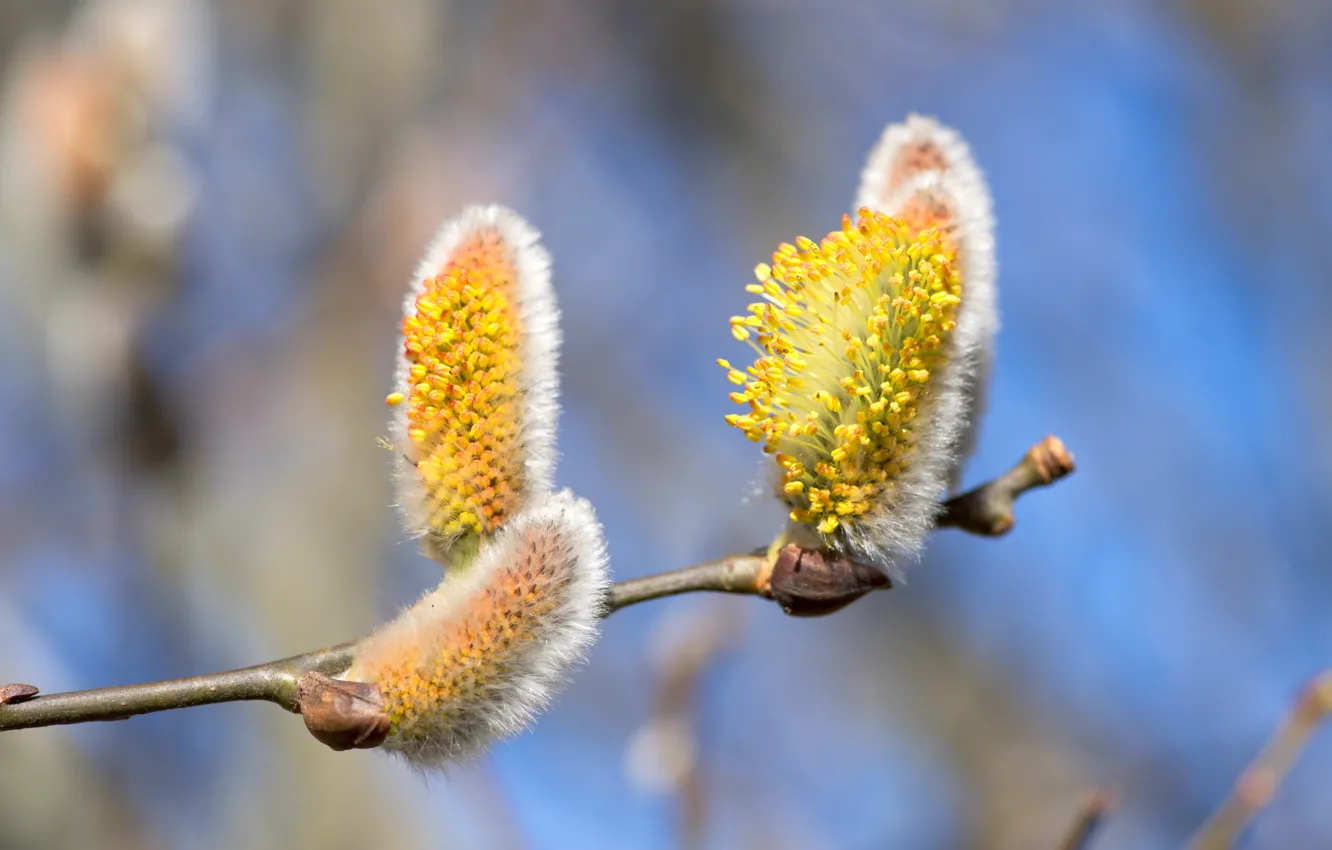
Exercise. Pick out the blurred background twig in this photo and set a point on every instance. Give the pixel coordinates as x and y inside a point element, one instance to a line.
<point>1259,783</point>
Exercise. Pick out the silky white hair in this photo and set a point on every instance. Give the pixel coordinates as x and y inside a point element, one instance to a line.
<point>894,533</point>
<point>478,657</point>
<point>538,314</point>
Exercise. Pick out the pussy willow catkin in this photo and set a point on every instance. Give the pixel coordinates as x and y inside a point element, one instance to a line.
<point>871,347</point>
<point>475,393</point>
<point>478,657</point>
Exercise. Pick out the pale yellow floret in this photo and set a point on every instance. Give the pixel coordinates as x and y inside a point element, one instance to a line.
<point>850,335</point>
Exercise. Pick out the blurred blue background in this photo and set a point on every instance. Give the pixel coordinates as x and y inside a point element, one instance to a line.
<point>208,216</point>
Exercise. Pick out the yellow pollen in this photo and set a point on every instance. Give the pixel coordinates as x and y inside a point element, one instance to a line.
<point>850,338</point>
<point>455,668</point>
<point>463,393</point>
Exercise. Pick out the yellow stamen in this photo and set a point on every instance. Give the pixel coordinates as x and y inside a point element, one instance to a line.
<point>463,396</point>
<point>851,336</point>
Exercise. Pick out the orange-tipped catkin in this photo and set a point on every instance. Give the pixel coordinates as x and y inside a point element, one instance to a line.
<point>924,173</point>
<point>475,395</point>
<point>477,658</point>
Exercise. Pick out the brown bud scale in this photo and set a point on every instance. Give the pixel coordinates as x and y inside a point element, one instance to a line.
<point>811,583</point>
<point>343,715</point>
<point>10,694</point>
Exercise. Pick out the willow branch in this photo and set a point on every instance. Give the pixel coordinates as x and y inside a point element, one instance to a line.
<point>1259,782</point>
<point>730,574</point>
<point>276,682</point>
<point>986,510</point>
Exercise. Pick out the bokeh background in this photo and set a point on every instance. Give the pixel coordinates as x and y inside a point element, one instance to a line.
<point>208,215</point>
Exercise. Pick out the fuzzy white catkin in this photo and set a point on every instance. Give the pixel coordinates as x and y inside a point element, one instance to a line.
<point>477,658</point>
<point>536,401</point>
<point>921,164</point>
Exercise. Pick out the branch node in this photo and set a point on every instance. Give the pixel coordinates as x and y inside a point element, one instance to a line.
<point>343,715</point>
<point>811,583</point>
<point>763,577</point>
<point>1256,786</point>
<point>16,693</point>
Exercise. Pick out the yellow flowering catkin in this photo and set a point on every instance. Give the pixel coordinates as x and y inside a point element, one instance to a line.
<point>872,346</point>
<point>849,334</point>
<point>475,394</point>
